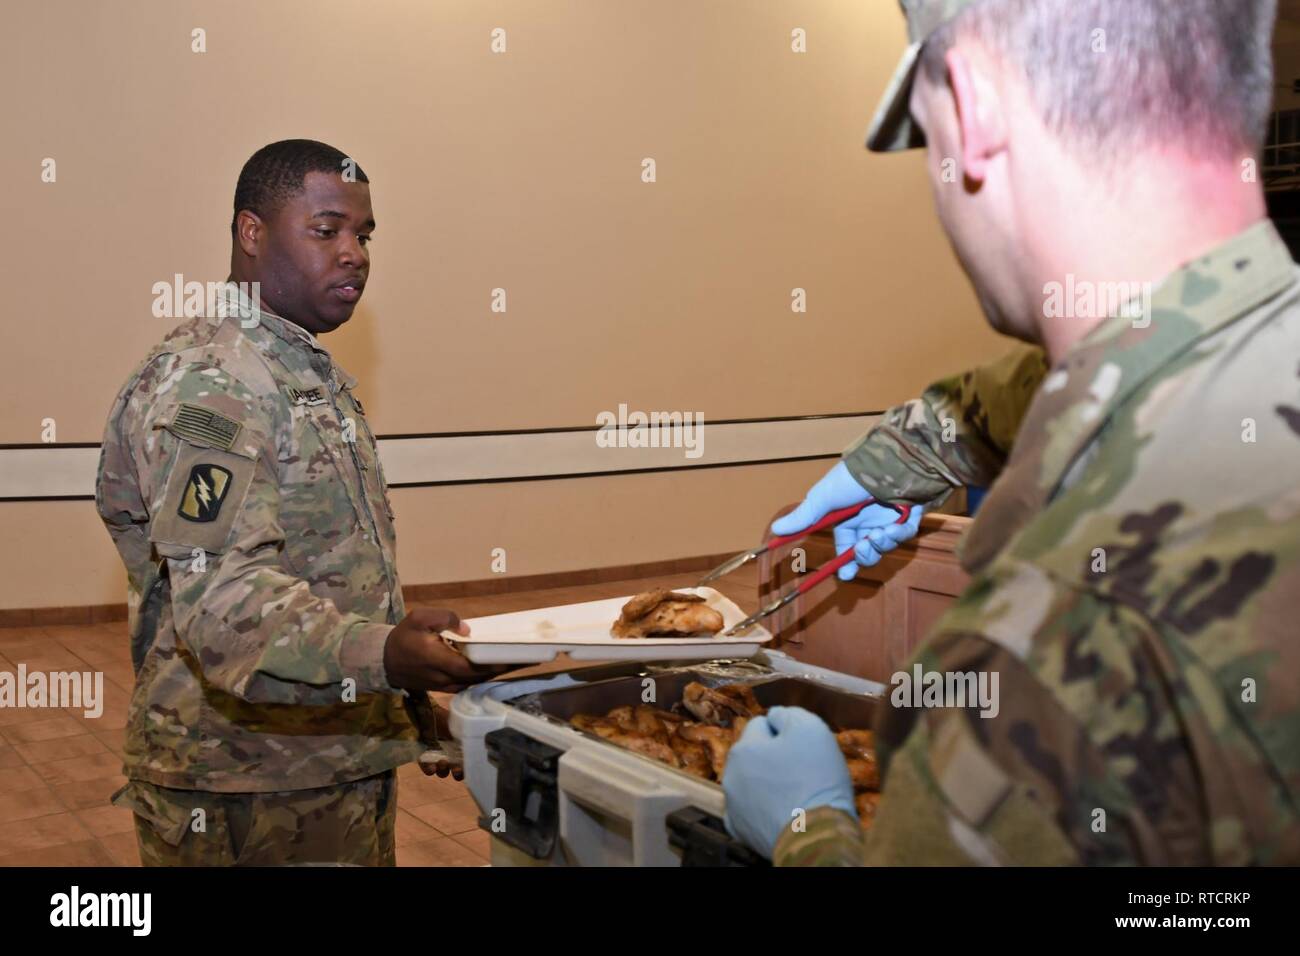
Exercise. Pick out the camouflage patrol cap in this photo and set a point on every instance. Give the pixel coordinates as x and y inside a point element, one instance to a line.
<point>893,128</point>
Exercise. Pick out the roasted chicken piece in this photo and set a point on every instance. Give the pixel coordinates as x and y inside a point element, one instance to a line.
<point>738,728</point>
<point>721,705</point>
<point>706,704</point>
<point>600,726</point>
<point>641,719</point>
<point>646,730</point>
<point>859,749</point>
<point>640,743</point>
<point>863,773</point>
<point>622,716</point>
<point>857,743</point>
<point>654,722</point>
<point>743,695</point>
<point>669,719</point>
<point>693,754</point>
<point>662,613</point>
<point>717,740</point>
<point>866,805</point>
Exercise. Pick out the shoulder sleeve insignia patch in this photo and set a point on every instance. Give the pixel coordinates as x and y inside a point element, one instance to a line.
<point>204,426</point>
<point>204,492</point>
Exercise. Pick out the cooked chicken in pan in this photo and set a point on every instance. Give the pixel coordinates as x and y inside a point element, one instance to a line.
<point>700,746</point>
<point>866,803</point>
<point>693,756</point>
<point>857,743</point>
<point>645,745</point>
<point>699,749</point>
<point>721,705</point>
<point>859,749</point>
<point>717,741</point>
<point>662,613</point>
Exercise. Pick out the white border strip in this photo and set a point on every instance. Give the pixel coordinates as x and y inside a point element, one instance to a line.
<point>57,472</point>
<point>499,457</point>
<point>52,472</point>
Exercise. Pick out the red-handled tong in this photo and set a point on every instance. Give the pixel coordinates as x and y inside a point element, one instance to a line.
<point>809,581</point>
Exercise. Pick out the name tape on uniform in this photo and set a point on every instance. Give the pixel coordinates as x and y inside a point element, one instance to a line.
<point>305,396</point>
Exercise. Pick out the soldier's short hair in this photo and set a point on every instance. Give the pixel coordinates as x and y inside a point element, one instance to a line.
<point>1107,74</point>
<point>276,172</point>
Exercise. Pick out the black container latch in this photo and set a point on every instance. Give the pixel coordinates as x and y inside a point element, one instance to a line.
<point>704,841</point>
<point>526,792</point>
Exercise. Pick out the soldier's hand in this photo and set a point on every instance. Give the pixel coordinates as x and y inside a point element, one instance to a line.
<point>417,658</point>
<point>436,761</point>
<point>874,532</point>
<point>785,761</point>
<point>430,763</point>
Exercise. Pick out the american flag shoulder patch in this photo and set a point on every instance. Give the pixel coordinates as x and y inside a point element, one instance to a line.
<point>205,426</point>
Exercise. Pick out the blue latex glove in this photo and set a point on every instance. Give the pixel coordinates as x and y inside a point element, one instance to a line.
<point>871,534</point>
<point>870,539</point>
<point>784,762</point>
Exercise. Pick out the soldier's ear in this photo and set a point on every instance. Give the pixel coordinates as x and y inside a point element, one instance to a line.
<point>981,112</point>
<point>249,231</point>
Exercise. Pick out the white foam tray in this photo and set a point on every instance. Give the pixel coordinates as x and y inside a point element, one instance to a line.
<point>583,632</point>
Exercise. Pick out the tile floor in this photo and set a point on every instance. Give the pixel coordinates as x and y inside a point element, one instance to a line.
<point>58,768</point>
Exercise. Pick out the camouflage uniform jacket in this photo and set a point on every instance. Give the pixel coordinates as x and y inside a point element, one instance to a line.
<point>1136,587</point>
<point>242,487</point>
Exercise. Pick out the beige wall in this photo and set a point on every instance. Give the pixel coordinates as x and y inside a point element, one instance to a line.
<point>519,170</point>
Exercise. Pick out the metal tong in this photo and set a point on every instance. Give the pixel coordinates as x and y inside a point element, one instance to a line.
<point>808,581</point>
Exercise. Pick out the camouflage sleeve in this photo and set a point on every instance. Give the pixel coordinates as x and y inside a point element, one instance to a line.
<point>1021,737</point>
<point>206,455</point>
<point>959,432</point>
<point>830,838</point>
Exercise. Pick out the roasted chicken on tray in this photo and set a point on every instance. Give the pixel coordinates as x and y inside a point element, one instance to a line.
<point>662,613</point>
<point>700,746</point>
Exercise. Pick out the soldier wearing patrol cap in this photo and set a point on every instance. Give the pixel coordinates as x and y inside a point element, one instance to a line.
<point>241,484</point>
<point>1136,565</point>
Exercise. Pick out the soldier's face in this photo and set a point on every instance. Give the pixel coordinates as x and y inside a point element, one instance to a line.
<point>312,258</point>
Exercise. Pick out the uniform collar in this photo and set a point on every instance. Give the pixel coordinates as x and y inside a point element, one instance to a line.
<point>243,311</point>
<point>1116,359</point>
<point>1105,369</point>
<point>1195,301</point>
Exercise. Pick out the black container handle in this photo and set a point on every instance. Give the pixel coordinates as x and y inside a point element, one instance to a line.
<point>527,772</point>
<point>704,841</point>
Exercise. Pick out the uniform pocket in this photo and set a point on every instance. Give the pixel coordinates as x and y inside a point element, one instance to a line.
<point>198,828</point>
<point>168,819</point>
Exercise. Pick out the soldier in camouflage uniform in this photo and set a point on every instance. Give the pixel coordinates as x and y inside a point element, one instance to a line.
<point>1136,565</point>
<point>242,486</point>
